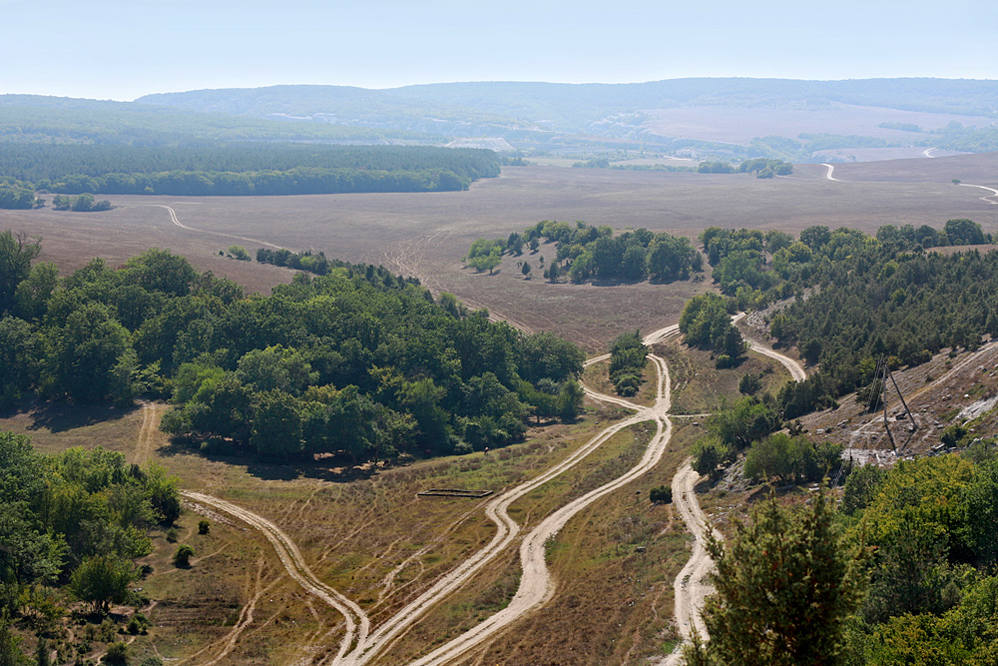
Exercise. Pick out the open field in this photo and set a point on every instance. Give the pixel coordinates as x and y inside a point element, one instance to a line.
<point>427,234</point>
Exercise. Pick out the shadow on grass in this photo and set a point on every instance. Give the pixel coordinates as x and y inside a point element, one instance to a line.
<point>62,416</point>
<point>335,470</point>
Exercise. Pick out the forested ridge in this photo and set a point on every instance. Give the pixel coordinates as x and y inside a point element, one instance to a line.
<point>241,169</point>
<point>857,297</point>
<point>357,363</point>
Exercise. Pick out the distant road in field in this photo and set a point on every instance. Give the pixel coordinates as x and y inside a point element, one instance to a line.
<point>358,625</point>
<point>830,170</point>
<point>176,221</point>
<point>989,198</point>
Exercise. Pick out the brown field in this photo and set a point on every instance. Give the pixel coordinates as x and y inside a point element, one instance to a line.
<point>427,234</point>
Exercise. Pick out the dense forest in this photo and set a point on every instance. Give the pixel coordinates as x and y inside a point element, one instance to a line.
<point>902,573</point>
<point>584,253</point>
<point>242,169</point>
<point>71,527</point>
<point>857,297</point>
<point>357,363</point>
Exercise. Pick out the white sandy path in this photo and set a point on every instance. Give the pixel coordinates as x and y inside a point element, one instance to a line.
<point>507,528</point>
<point>536,584</point>
<point>358,625</point>
<point>831,170</point>
<point>691,586</point>
<point>988,198</point>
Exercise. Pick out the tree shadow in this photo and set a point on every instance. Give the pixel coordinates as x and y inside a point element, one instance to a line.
<point>332,469</point>
<point>62,416</point>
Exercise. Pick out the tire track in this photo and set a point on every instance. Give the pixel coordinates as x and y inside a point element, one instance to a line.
<point>221,234</point>
<point>358,625</point>
<point>536,584</point>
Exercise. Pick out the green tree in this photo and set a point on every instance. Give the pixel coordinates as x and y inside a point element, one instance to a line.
<point>16,255</point>
<point>785,587</point>
<point>569,402</point>
<point>102,580</point>
<point>182,556</point>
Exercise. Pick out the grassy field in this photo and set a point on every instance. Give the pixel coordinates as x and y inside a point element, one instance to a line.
<point>427,234</point>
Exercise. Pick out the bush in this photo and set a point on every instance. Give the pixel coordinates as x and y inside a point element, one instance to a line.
<point>749,384</point>
<point>138,624</point>
<point>182,558</point>
<point>117,653</point>
<point>171,535</point>
<point>203,527</point>
<point>660,495</point>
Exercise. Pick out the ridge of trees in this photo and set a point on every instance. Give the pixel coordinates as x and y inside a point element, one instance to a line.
<point>239,169</point>
<point>762,167</point>
<point>706,323</point>
<point>585,253</point>
<point>856,297</point>
<point>358,363</point>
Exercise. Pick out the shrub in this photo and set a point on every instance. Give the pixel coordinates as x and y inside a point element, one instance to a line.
<point>117,653</point>
<point>182,558</point>
<point>660,495</point>
<point>203,527</point>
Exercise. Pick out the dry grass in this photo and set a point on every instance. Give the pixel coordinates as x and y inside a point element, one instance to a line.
<point>597,376</point>
<point>698,386</point>
<point>427,234</point>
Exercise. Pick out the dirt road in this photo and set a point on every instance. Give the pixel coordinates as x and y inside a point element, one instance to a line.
<point>536,585</point>
<point>358,625</point>
<point>176,221</point>
<point>691,586</point>
<point>830,170</point>
<point>988,198</point>
<point>151,414</point>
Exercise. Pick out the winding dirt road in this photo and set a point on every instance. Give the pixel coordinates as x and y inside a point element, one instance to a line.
<point>691,586</point>
<point>830,170</point>
<point>988,198</point>
<point>358,625</point>
<point>536,584</point>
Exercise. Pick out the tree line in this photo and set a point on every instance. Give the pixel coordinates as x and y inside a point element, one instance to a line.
<point>239,169</point>
<point>53,163</point>
<point>762,167</point>
<point>357,363</point>
<point>585,253</point>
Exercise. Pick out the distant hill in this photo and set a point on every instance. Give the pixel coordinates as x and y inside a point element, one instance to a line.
<point>702,118</point>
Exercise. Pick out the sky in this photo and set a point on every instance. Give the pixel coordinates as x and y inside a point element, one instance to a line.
<point>122,50</point>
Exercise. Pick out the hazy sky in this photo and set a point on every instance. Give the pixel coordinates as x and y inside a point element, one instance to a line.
<point>120,50</point>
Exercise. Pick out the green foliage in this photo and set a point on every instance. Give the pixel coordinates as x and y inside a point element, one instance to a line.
<point>102,580</point>
<point>791,459</point>
<point>785,587</point>
<point>706,323</point>
<point>16,254</point>
<point>358,362</point>
<point>182,556</point>
<point>749,384</point>
<point>862,485</point>
<point>239,252</point>
<point>204,527</point>
<point>660,495</point>
<point>586,253</point>
<point>628,356</point>
<point>715,167</point>
<point>17,197</point>
<point>117,653</point>
<point>239,169</point>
